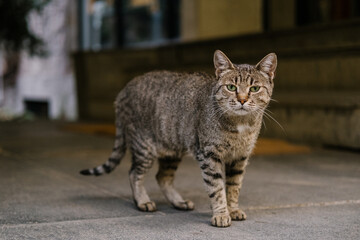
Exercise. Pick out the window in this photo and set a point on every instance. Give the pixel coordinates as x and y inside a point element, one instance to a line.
<point>108,24</point>
<point>97,24</point>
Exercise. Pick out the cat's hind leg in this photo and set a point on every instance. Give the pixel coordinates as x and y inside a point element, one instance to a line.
<point>165,179</point>
<point>142,161</point>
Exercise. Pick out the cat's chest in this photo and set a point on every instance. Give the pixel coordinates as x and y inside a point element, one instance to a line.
<point>242,130</point>
<point>240,142</point>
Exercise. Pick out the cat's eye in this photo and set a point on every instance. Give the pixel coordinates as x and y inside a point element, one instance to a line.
<point>231,87</point>
<point>254,89</point>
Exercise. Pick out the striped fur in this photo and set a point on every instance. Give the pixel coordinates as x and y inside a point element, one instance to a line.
<point>160,116</point>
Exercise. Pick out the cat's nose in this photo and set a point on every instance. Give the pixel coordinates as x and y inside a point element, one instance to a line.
<point>242,98</point>
<point>242,101</point>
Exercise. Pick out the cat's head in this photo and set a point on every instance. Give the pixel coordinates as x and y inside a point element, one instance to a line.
<point>241,88</point>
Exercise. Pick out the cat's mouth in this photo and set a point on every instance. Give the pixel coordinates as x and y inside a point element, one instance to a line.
<point>241,111</point>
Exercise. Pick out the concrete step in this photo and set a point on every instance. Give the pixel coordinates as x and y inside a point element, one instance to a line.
<point>316,117</point>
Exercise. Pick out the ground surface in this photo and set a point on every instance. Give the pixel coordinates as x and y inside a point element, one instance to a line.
<point>308,195</point>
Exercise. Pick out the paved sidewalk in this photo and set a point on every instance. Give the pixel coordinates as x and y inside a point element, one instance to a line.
<point>309,195</point>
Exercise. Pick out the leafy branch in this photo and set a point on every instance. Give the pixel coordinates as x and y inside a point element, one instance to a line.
<point>15,34</point>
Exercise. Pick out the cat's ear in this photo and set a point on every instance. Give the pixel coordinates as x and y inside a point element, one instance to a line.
<point>268,65</point>
<point>221,63</point>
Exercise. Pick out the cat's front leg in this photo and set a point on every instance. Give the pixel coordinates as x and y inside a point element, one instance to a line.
<point>212,172</point>
<point>234,177</point>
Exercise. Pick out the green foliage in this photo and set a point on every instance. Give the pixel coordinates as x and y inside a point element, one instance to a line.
<point>15,34</point>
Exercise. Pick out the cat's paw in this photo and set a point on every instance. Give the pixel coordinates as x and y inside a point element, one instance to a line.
<point>147,207</point>
<point>222,220</point>
<point>237,215</point>
<point>185,205</point>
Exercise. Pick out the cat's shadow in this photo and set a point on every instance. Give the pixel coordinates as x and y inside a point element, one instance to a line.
<point>112,207</point>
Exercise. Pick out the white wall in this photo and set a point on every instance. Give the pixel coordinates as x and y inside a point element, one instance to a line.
<point>52,78</point>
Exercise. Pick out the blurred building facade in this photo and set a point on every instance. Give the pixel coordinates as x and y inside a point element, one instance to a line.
<point>317,43</point>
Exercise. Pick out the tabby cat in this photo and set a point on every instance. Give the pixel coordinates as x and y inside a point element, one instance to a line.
<point>164,115</point>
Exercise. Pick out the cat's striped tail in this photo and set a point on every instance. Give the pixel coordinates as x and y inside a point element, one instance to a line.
<point>117,154</point>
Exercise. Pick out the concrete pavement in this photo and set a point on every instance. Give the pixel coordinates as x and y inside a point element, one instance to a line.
<point>309,195</point>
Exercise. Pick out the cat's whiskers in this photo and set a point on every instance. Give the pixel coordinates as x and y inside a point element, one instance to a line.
<point>263,122</point>
<point>260,111</point>
<point>218,111</point>
<point>267,113</point>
